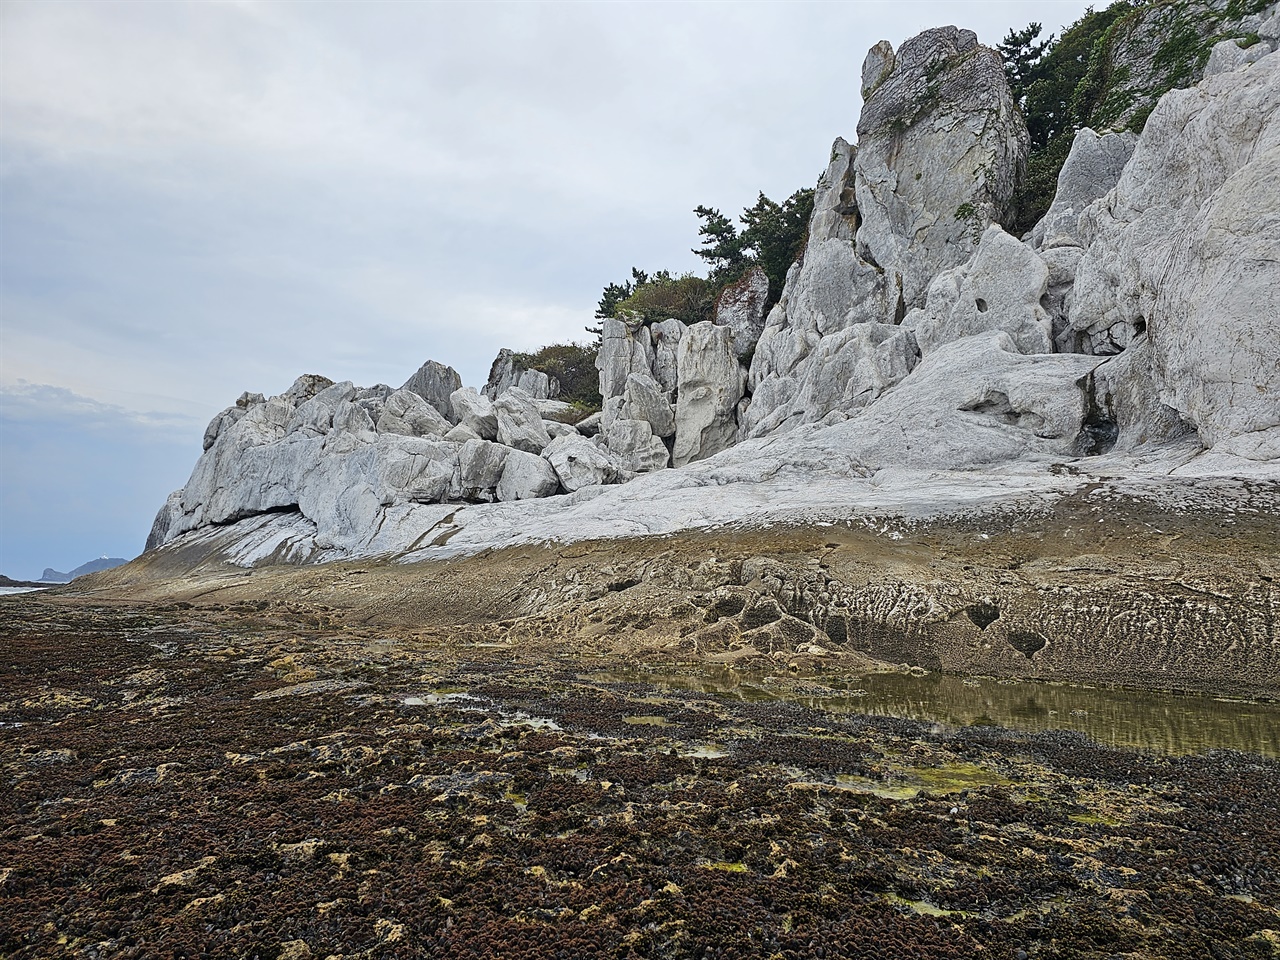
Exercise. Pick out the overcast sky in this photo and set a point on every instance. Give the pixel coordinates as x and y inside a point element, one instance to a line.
<point>198,199</point>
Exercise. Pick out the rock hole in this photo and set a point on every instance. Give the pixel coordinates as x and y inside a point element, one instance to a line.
<point>981,305</point>
<point>995,403</point>
<point>838,630</point>
<point>761,615</point>
<point>1026,643</point>
<point>1099,431</point>
<point>725,607</point>
<point>619,585</point>
<point>1139,327</point>
<point>983,614</point>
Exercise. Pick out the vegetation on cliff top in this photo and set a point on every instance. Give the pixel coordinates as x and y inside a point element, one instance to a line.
<point>772,236</point>
<point>1106,71</point>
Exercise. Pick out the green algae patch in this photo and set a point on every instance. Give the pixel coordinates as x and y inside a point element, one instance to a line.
<point>726,867</point>
<point>639,720</point>
<point>954,777</point>
<point>880,788</point>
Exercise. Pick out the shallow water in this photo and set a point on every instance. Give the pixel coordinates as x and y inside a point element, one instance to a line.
<point>1165,722</point>
<point>7,591</point>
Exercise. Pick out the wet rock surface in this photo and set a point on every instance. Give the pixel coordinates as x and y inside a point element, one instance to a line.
<point>273,778</point>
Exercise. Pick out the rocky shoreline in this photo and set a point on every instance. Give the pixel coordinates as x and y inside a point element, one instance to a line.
<point>271,778</point>
<point>1096,586</point>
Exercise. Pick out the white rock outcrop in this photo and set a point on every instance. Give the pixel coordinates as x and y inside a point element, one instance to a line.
<point>435,383</point>
<point>941,145</point>
<point>920,359</point>
<point>579,463</point>
<point>742,307</point>
<point>507,372</point>
<point>1185,252</point>
<point>474,412</point>
<point>999,289</point>
<point>405,412</point>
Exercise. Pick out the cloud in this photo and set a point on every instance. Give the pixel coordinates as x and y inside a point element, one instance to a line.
<point>41,404</point>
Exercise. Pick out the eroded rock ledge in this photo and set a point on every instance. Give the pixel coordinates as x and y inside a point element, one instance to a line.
<point>1098,586</point>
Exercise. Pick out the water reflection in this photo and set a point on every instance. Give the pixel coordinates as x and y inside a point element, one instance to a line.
<point>1164,722</point>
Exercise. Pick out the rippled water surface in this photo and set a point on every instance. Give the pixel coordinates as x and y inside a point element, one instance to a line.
<point>1165,722</point>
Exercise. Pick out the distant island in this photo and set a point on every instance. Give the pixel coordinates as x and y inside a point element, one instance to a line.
<point>51,575</point>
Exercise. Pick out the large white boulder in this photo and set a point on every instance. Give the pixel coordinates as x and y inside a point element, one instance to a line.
<point>644,399</point>
<point>974,401</point>
<point>633,447</point>
<point>480,466</point>
<point>474,412</point>
<point>408,414</point>
<point>579,463</point>
<point>519,422</point>
<point>999,289</point>
<point>527,476</point>
<point>435,383</point>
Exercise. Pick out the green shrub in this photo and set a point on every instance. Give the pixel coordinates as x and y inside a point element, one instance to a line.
<point>574,365</point>
<point>688,298</point>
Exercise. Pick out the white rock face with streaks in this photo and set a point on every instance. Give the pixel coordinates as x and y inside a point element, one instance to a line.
<point>999,289</point>
<point>1185,252</point>
<point>435,383</point>
<point>711,384</point>
<point>527,477</point>
<point>579,463</point>
<point>1091,169</point>
<point>643,398</point>
<point>407,413</point>
<point>941,145</point>
<point>474,412</point>
<point>634,448</point>
<point>625,348</point>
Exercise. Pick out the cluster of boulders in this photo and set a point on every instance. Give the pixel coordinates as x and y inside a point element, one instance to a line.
<point>342,454</point>
<point>1140,310</point>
